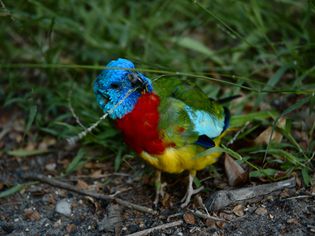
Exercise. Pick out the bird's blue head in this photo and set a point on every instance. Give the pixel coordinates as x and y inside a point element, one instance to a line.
<point>119,87</point>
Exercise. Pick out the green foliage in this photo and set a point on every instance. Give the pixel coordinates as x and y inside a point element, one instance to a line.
<point>261,49</point>
<point>12,190</point>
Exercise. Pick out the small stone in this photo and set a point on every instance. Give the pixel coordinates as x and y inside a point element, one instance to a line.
<point>50,166</point>
<point>261,211</point>
<point>63,207</point>
<point>189,218</point>
<point>57,223</point>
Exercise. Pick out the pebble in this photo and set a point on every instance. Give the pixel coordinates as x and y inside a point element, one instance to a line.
<point>63,207</point>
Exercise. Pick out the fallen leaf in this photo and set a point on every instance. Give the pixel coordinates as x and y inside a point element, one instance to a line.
<point>97,174</point>
<point>210,223</point>
<point>264,136</point>
<point>25,152</point>
<point>71,228</point>
<point>238,210</point>
<point>220,224</point>
<point>261,211</point>
<point>31,214</point>
<point>82,184</point>
<point>293,221</point>
<point>1,186</point>
<point>226,216</point>
<point>166,200</point>
<point>47,142</point>
<point>235,173</point>
<point>189,218</point>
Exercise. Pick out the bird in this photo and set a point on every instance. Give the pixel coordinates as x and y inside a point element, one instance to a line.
<point>170,123</point>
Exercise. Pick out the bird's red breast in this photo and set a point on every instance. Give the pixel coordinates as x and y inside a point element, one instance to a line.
<point>140,126</point>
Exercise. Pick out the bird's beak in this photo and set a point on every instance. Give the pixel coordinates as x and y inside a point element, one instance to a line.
<point>136,81</point>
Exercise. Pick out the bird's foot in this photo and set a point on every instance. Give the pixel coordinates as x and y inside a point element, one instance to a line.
<point>159,193</point>
<point>159,186</point>
<point>190,192</point>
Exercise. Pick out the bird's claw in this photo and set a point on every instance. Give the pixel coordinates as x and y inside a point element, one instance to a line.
<point>159,192</point>
<point>190,192</point>
<point>186,199</point>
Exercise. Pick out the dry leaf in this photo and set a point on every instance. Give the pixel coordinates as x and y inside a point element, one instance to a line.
<point>71,228</point>
<point>264,136</point>
<point>220,224</point>
<point>166,200</point>
<point>226,216</point>
<point>235,173</point>
<point>293,221</point>
<point>1,186</point>
<point>46,142</point>
<point>210,223</point>
<point>82,184</point>
<point>238,210</point>
<point>189,218</point>
<point>97,174</point>
<point>31,214</point>
<point>261,211</point>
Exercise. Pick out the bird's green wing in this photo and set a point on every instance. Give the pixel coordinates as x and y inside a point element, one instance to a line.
<point>187,115</point>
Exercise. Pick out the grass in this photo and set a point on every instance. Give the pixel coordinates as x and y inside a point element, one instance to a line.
<point>261,49</point>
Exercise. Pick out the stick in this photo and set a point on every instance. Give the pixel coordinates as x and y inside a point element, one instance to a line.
<point>72,140</point>
<point>224,198</point>
<point>205,216</point>
<point>159,227</point>
<point>59,184</point>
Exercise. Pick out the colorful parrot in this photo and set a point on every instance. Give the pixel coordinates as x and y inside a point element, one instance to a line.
<point>168,122</point>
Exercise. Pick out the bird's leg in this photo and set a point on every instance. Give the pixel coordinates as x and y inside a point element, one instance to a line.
<point>190,190</point>
<point>159,188</point>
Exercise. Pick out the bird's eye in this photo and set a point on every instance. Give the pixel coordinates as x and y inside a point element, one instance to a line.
<point>114,86</point>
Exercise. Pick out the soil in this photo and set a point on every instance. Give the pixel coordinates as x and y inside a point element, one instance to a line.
<point>33,209</point>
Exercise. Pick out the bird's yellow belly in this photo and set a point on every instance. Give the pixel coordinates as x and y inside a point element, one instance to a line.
<point>176,160</point>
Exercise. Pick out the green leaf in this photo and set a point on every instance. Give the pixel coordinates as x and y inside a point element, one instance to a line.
<point>26,153</point>
<point>11,190</point>
<point>240,120</point>
<point>197,46</point>
<point>306,177</point>
<point>197,182</point>
<point>276,77</point>
<point>31,117</point>
<point>263,173</point>
<point>77,161</point>
<point>118,159</point>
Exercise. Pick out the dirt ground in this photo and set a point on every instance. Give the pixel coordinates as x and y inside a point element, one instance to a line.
<point>40,209</point>
<point>33,211</point>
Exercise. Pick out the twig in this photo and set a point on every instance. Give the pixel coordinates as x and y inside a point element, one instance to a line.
<point>72,140</point>
<point>299,197</point>
<point>205,216</point>
<point>159,227</point>
<point>224,198</point>
<point>72,110</point>
<point>238,133</point>
<point>69,187</point>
